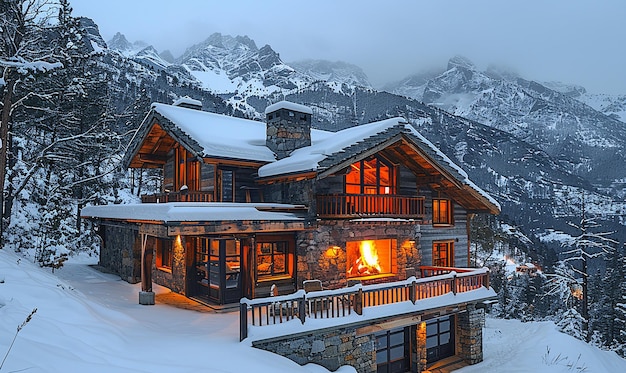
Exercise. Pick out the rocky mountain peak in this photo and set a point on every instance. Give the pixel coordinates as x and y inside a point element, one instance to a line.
<point>119,42</point>
<point>92,33</point>
<point>460,62</point>
<point>337,71</point>
<point>268,57</point>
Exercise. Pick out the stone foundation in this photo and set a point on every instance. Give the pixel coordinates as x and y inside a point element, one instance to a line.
<point>328,348</point>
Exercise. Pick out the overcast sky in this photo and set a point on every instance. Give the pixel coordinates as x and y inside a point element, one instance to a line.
<point>573,41</point>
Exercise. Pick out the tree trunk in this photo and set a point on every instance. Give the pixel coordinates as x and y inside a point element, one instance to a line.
<point>5,123</point>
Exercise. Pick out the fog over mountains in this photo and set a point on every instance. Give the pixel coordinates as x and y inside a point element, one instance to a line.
<point>538,148</point>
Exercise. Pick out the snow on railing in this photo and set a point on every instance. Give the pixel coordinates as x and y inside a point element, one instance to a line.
<point>342,302</point>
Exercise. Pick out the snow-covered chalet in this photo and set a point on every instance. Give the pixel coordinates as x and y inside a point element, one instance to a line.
<point>367,228</point>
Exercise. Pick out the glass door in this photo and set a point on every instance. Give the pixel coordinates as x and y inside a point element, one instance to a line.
<point>392,351</point>
<point>439,338</point>
<point>217,264</point>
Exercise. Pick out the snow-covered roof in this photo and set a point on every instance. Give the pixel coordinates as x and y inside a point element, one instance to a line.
<point>289,106</point>
<point>188,211</point>
<point>235,138</point>
<point>220,135</point>
<point>308,158</point>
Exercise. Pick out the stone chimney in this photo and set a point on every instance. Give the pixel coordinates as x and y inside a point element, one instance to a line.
<point>288,127</point>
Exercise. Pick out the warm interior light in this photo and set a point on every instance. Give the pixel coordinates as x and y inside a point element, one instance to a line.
<point>332,252</point>
<point>369,257</point>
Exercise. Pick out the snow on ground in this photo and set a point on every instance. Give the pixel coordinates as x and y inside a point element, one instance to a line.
<point>90,321</point>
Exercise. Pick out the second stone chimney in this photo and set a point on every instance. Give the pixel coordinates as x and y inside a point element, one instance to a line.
<point>288,127</point>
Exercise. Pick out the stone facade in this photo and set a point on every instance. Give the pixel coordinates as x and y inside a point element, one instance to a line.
<point>122,252</point>
<point>349,345</point>
<point>174,278</point>
<point>314,263</point>
<point>330,348</point>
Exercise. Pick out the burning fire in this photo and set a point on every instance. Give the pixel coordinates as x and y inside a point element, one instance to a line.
<point>366,262</point>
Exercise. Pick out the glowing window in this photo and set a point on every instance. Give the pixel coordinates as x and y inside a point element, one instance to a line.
<point>443,253</point>
<point>442,211</point>
<point>164,253</point>
<point>373,175</point>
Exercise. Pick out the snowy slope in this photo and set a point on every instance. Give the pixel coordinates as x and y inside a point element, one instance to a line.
<point>90,321</point>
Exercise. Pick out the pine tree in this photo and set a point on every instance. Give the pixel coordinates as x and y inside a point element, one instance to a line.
<point>587,245</point>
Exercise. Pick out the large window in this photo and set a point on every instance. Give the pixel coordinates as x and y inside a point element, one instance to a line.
<point>442,211</point>
<point>373,175</point>
<point>443,253</point>
<point>272,258</point>
<point>164,253</point>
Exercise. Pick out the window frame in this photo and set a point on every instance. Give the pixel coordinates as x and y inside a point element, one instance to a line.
<point>438,218</point>
<point>446,246</point>
<point>378,187</point>
<point>274,248</point>
<point>164,254</point>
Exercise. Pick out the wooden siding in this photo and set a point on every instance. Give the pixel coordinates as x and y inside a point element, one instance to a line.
<point>456,233</point>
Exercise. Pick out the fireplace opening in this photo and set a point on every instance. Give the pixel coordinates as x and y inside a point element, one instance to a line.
<point>368,258</point>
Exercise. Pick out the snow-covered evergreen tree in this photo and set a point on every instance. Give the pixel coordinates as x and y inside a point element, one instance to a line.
<point>24,57</point>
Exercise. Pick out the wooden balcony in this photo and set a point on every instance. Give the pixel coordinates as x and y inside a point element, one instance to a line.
<point>339,303</point>
<point>189,196</point>
<point>369,205</point>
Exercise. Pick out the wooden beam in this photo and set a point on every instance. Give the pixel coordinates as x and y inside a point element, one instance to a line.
<point>392,324</point>
<point>153,230</point>
<point>197,228</point>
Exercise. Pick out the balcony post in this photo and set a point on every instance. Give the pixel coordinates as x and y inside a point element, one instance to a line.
<point>454,283</point>
<point>243,321</point>
<point>358,302</point>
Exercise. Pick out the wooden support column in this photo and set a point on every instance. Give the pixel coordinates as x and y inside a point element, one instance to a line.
<point>146,295</point>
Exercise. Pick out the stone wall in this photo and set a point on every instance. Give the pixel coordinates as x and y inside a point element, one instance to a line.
<point>175,277</point>
<point>120,252</point>
<point>312,245</point>
<point>470,339</point>
<point>328,348</point>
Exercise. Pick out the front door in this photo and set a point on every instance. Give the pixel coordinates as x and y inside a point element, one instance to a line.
<point>439,338</point>
<point>218,268</point>
<point>392,351</point>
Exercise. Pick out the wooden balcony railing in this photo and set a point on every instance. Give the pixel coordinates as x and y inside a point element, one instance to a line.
<point>189,196</point>
<point>369,205</point>
<point>343,302</point>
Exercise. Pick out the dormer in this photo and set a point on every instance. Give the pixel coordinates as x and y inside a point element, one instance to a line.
<point>288,127</point>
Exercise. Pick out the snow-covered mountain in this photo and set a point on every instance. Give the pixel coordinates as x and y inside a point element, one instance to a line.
<point>554,119</point>
<point>338,72</point>
<point>535,148</point>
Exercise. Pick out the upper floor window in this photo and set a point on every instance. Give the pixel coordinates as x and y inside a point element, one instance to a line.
<point>443,253</point>
<point>373,175</point>
<point>442,211</point>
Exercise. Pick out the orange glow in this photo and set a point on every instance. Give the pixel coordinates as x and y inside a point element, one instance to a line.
<point>369,257</point>
<point>332,252</point>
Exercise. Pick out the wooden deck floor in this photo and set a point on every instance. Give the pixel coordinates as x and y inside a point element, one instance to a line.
<point>447,365</point>
<point>180,301</point>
